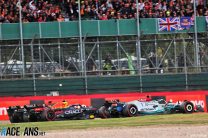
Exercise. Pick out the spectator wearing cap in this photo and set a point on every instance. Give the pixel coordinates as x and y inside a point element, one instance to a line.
<point>168,13</point>
<point>104,17</point>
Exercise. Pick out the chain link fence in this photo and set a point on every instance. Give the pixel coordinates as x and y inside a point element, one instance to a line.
<point>165,54</point>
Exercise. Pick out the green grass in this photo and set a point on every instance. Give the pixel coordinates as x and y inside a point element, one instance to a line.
<point>174,119</point>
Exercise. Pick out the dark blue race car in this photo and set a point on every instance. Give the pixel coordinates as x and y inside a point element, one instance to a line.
<point>35,113</point>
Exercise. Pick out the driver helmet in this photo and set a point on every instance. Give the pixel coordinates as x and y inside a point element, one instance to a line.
<point>64,103</point>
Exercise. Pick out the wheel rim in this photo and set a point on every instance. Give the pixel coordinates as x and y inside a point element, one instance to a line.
<point>189,107</point>
<point>133,110</point>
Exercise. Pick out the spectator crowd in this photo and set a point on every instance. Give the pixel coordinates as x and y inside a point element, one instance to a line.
<point>67,10</point>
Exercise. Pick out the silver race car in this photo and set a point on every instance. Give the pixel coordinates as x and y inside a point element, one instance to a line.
<point>116,108</point>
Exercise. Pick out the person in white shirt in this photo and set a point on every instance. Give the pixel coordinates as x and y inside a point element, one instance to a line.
<point>32,5</point>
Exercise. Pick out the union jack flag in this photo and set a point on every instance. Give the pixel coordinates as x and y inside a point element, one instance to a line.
<point>168,24</point>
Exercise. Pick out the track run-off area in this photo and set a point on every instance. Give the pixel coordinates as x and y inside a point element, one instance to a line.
<point>157,126</point>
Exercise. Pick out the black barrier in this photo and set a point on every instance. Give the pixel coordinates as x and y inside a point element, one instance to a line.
<point>39,102</point>
<point>97,102</point>
<point>158,97</point>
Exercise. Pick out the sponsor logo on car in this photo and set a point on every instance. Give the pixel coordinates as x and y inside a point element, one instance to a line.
<point>147,109</point>
<point>72,111</point>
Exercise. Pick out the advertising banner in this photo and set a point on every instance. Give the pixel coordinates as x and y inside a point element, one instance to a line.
<point>5,104</point>
<point>196,97</point>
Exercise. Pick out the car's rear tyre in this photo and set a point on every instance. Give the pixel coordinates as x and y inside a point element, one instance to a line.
<point>25,117</point>
<point>130,110</point>
<point>187,107</point>
<point>33,118</point>
<point>103,112</point>
<point>48,115</point>
<point>13,118</point>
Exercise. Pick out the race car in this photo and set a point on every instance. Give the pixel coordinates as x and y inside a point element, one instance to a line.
<point>116,108</point>
<point>34,113</point>
<point>30,113</point>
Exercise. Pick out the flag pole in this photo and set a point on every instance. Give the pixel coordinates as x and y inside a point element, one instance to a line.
<point>82,49</point>
<point>80,38</point>
<point>197,62</point>
<point>21,38</point>
<point>138,46</point>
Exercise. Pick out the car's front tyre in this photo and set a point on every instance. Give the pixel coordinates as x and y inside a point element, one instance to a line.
<point>103,112</point>
<point>48,115</point>
<point>130,110</point>
<point>187,107</point>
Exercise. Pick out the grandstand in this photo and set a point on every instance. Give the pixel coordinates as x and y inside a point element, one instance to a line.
<point>67,10</point>
<point>109,46</point>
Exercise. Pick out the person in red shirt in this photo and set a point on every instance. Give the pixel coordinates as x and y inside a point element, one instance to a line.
<point>148,98</point>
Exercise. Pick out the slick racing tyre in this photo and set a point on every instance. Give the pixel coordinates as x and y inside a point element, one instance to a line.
<point>187,107</point>
<point>48,115</point>
<point>14,118</point>
<point>130,110</point>
<point>25,117</point>
<point>103,112</point>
